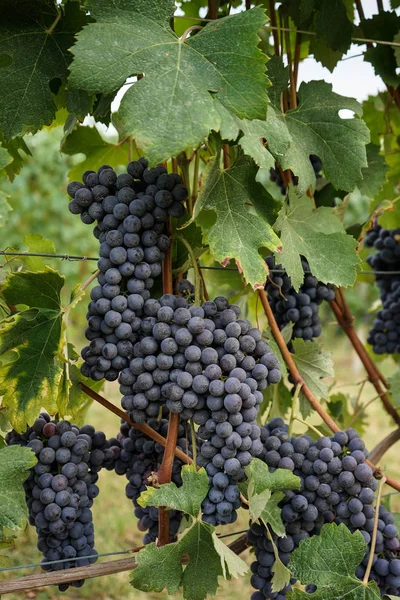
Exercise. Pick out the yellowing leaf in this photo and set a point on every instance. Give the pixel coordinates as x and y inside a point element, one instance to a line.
<point>14,464</point>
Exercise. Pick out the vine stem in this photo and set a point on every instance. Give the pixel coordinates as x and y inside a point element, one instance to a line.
<point>197,277</point>
<point>294,407</point>
<point>143,427</point>
<point>374,532</point>
<point>165,470</point>
<point>54,24</point>
<point>376,453</point>
<point>315,430</point>
<point>299,380</point>
<point>272,16</point>
<point>346,320</point>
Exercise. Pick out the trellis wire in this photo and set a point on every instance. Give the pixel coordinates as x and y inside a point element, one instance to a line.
<point>83,258</point>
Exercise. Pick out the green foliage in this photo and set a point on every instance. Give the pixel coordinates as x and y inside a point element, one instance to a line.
<point>138,40</point>
<point>236,232</point>
<point>15,461</point>
<point>35,37</point>
<point>342,552</point>
<point>319,236</point>
<point>334,26</point>
<point>187,498</point>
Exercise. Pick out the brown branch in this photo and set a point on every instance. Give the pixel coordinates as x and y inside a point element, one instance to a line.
<point>296,61</point>
<point>272,16</point>
<point>374,376</point>
<point>143,427</point>
<point>30,582</point>
<point>293,95</point>
<point>297,379</point>
<point>379,4</point>
<point>212,9</point>
<point>376,454</point>
<point>164,475</point>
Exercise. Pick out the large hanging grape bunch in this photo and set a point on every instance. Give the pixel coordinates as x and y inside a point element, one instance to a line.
<point>61,488</point>
<point>385,332</point>
<point>336,486</point>
<point>298,308</point>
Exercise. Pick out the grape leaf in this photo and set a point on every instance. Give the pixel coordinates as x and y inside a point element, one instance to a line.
<point>34,38</point>
<point>232,564</point>
<point>322,53</point>
<point>329,561</point>
<point>236,233</point>
<point>279,76</point>
<point>271,514</point>
<point>382,26</point>
<point>87,140</point>
<point>160,567</point>
<point>374,176</point>
<point>34,242</point>
<point>333,25</point>
<point>187,498</point>
<point>281,574</point>
<point>172,107</point>
<point>15,147</point>
<point>316,128</point>
<point>72,401</point>
<point>14,464</point>
<point>313,366</point>
<point>5,158</point>
<point>29,343</point>
<point>319,236</point>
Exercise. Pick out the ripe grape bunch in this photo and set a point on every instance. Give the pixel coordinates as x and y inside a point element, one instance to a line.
<point>131,211</point>
<point>139,459</point>
<point>385,332</point>
<point>206,364</point>
<point>61,487</point>
<point>275,173</point>
<point>299,308</point>
<point>336,486</point>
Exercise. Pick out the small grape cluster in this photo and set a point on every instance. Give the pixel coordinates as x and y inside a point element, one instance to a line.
<point>61,487</point>
<point>131,210</point>
<point>336,486</point>
<point>384,335</point>
<point>276,177</point>
<point>139,459</point>
<point>299,308</point>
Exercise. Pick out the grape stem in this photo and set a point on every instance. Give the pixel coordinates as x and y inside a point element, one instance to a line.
<point>272,16</point>
<point>345,319</point>
<point>375,530</point>
<point>376,454</point>
<point>164,476</point>
<point>309,426</point>
<point>197,278</point>
<point>144,428</point>
<point>288,358</point>
<point>294,407</point>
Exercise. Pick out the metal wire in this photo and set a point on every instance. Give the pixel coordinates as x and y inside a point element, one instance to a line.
<point>83,258</point>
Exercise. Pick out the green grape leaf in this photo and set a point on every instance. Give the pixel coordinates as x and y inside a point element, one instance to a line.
<point>17,148</point>
<point>5,208</point>
<point>324,54</point>
<point>333,25</point>
<point>236,232</point>
<point>261,484</point>
<point>88,141</point>
<point>36,243</point>
<point>316,128</point>
<point>338,405</point>
<point>160,568</point>
<point>232,564</point>
<point>72,401</point>
<point>29,344</point>
<point>313,365</point>
<point>187,498</point>
<point>319,236</point>
<point>374,176</point>
<point>15,461</point>
<point>383,26</point>
<point>172,107</point>
<point>329,561</point>
<point>271,514</point>
<point>279,76</point>
<point>5,158</point>
<point>34,39</point>
<point>281,574</point>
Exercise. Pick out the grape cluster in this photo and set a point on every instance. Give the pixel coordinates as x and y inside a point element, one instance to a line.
<point>206,364</point>
<point>385,332</point>
<point>61,488</point>
<point>336,486</point>
<point>299,308</point>
<point>275,173</point>
<point>139,459</point>
<point>131,210</point>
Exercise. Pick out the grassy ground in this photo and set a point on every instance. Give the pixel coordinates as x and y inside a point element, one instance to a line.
<point>115,524</point>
